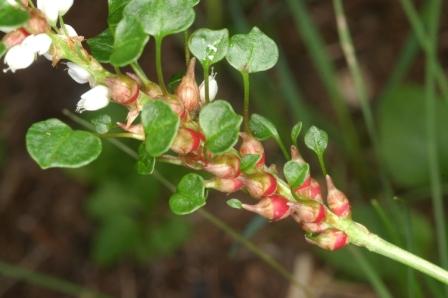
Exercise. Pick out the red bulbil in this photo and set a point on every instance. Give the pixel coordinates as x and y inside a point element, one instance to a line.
<point>37,23</point>
<point>250,145</point>
<point>330,239</point>
<point>309,212</point>
<point>177,107</point>
<point>337,201</point>
<point>228,185</point>
<point>224,166</point>
<point>261,184</point>
<point>310,189</point>
<point>123,89</point>
<point>187,141</point>
<point>274,207</point>
<point>188,90</point>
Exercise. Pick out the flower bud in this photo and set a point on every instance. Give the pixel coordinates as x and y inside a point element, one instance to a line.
<point>226,165</point>
<point>94,99</point>
<point>314,227</point>
<point>188,91</point>
<point>308,212</point>
<point>123,89</point>
<point>77,73</point>
<point>187,140</point>
<point>39,43</point>
<point>310,189</point>
<point>330,239</point>
<point>14,37</point>
<point>212,88</point>
<point>337,201</point>
<point>274,207</point>
<point>227,185</point>
<point>261,184</point>
<point>251,145</point>
<point>176,106</point>
<point>37,23</point>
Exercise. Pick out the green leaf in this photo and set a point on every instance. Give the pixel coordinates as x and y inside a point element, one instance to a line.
<point>248,162</point>
<point>102,123</point>
<point>189,196</point>
<point>161,124</point>
<point>101,46</point>
<point>116,237</point>
<point>252,52</point>
<point>146,163</point>
<point>2,49</point>
<point>12,17</point>
<point>160,18</point>
<point>221,126</point>
<point>317,140</point>
<point>130,41</point>
<point>116,8</point>
<point>296,173</point>
<point>235,203</point>
<point>209,46</point>
<point>262,128</point>
<point>53,144</point>
<point>295,132</point>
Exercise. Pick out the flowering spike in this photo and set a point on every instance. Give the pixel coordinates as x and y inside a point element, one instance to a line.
<point>188,90</point>
<point>187,141</point>
<point>330,239</point>
<point>224,166</point>
<point>274,207</point>
<point>250,145</point>
<point>337,200</point>
<point>261,184</point>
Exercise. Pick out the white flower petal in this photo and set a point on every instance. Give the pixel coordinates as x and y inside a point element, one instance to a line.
<point>63,6</point>
<point>39,44</point>
<point>50,8</point>
<point>94,99</point>
<point>12,2</point>
<point>77,73</point>
<point>70,31</point>
<point>19,57</point>
<point>212,88</point>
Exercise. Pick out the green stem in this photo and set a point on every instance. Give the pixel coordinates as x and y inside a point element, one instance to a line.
<point>431,128</point>
<point>159,41</point>
<point>282,148</point>
<point>48,282</point>
<point>206,83</point>
<point>140,73</point>
<point>127,135</point>
<point>246,85</point>
<point>186,49</point>
<point>322,164</point>
<point>62,24</point>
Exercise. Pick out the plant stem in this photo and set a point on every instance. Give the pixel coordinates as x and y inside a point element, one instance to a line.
<point>48,282</point>
<point>282,148</point>
<point>322,164</point>
<point>140,73</point>
<point>206,83</point>
<point>431,128</point>
<point>159,40</point>
<point>246,85</point>
<point>186,49</point>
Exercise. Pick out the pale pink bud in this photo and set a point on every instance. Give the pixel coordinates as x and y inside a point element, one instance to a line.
<point>14,37</point>
<point>123,89</point>
<point>177,107</point>
<point>224,166</point>
<point>310,189</point>
<point>187,141</point>
<point>337,201</point>
<point>309,211</point>
<point>37,23</point>
<point>314,227</point>
<point>331,239</point>
<point>188,90</point>
<point>274,207</point>
<point>261,184</point>
<point>227,185</point>
<point>251,145</point>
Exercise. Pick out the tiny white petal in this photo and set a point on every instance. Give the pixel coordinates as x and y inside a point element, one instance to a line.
<point>94,99</point>
<point>50,8</point>
<point>70,31</point>
<point>12,2</point>
<point>64,6</point>
<point>39,44</point>
<point>19,57</point>
<point>212,88</point>
<point>77,73</point>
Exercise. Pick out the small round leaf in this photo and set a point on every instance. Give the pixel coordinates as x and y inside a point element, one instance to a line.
<point>262,128</point>
<point>209,46</point>
<point>295,132</point>
<point>145,163</point>
<point>53,144</point>
<point>189,196</point>
<point>235,203</point>
<point>317,140</point>
<point>12,17</point>
<point>248,162</point>
<point>101,46</point>
<point>296,173</point>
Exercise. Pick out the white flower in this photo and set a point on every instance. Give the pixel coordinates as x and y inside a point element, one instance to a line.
<point>212,88</point>
<point>19,57</point>
<point>70,30</point>
<point>54,8</point>
<point>77,73</point>
<point>39,44</point>
<point>94,99</point>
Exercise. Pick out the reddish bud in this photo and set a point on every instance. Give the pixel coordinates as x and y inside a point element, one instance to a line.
<point>310,189</point>
<point>187,141</point>
<point>177,107</point>
<point>308,212</point>
<point>188,90</point>
<point>337,201</point>
<point>37,23</point>
<point>227,185</point>
<point>14,37</point>
<point>314,227</point>
<point>330,239</point>
<point>123,89</point>
<point>224,166</point>
<point>274,207</point>
<point>295,155</point>
<point>261,184</point>
<point>136,129</point>
<point>251,145</point>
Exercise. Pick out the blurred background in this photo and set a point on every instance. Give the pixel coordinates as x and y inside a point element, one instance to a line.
<point>105,227</point>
